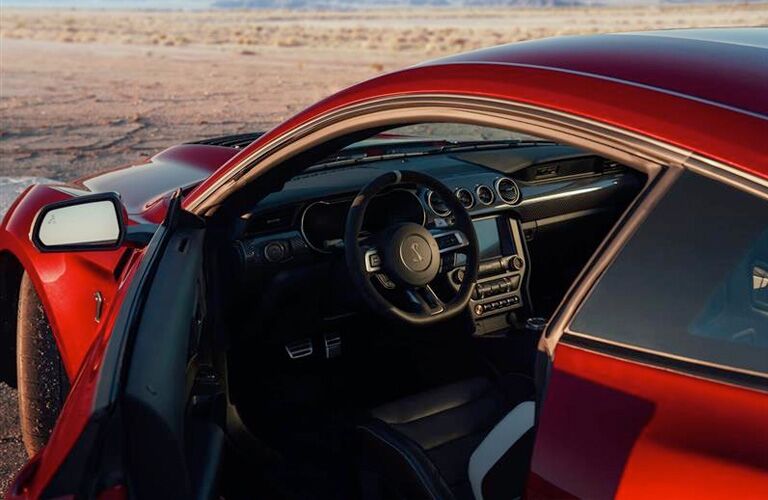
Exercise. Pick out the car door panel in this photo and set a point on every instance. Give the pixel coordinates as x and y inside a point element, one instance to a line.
<point>154,400</point>
<point>612,428</point>
<point>123,422</point>
<point>655,388</point>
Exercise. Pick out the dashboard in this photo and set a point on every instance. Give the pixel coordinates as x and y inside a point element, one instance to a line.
<point>511,194</point>
<point>322,222</point>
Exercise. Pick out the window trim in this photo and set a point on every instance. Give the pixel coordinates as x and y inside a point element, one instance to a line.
<point>638,151</point>
<point>669,362</point>
<point>560,327</point>
<point>663,162</point>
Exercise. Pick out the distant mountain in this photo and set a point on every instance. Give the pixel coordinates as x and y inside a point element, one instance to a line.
<point>112,4</point>
<point>330,4</point>
<point>363,4</point>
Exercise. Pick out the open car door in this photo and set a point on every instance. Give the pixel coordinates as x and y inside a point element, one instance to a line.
<point>131,426</point>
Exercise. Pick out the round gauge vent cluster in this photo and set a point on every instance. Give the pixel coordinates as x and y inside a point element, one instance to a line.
<point>465,197</point>
<point>504,188</point>
<point>436,203</point>
<point>485,194</point>
<point>507,190</point>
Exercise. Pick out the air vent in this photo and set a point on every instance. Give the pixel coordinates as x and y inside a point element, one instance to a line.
<point>611,166</point>
<point>465,197</point>
<point>437,204</point>
<point>238,141</point>
<point>484,194</point>
<point>508,190</point>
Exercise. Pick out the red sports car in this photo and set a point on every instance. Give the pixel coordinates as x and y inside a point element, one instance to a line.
<point>534,270</point>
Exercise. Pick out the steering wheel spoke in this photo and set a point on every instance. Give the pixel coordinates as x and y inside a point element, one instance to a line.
<point>372,260</point>
<point>425,298</point>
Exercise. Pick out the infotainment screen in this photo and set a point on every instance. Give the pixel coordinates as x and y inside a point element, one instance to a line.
<point>489,246</point>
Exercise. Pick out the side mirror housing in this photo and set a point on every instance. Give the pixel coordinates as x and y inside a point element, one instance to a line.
<point>86,223</point>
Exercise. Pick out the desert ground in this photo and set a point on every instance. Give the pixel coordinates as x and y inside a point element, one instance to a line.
<point>87,90</point>
<point>83,91</point>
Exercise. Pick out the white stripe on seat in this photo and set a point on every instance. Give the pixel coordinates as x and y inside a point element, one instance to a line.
<point>497,442</point>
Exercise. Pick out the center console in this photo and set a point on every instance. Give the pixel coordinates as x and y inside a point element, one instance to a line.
<point>501,271</point>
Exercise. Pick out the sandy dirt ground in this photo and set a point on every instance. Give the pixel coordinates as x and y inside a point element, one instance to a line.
<point>431,30</point>
<point>12,455</point>
<point>85,91</point>
<point>73,109</point>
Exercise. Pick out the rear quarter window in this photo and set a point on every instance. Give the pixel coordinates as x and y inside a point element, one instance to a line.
<point>692,282</point>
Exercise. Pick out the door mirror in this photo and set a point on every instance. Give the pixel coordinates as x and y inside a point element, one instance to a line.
<point>92,222</point>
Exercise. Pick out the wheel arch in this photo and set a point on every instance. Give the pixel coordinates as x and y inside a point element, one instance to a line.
<point>11,271</point>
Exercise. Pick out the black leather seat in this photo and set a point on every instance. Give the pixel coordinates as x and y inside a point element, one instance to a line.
<point>433,445</point>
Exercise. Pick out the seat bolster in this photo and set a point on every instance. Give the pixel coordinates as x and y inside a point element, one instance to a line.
<point>434,401</point>
<point>500,440</point>
<point>399,457</point>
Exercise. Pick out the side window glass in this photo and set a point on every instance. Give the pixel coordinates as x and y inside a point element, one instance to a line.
<point>760,285</point>
<point>692,282</point>
<point>737,312</point>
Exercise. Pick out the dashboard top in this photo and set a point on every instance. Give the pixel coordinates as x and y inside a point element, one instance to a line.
<point>457,170</point>
<point>485,180</point>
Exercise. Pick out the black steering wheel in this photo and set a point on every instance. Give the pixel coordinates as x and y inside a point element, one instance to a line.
<point>407,256</point>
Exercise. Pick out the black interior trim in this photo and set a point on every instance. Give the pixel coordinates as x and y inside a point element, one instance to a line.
<point>155,392</point>
<point>424,480</point>
<point>237,141</point>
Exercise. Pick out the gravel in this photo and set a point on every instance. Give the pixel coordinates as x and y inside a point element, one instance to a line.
<point>12,454</point>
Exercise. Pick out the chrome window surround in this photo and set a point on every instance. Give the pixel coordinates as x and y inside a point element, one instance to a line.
<point>612,142</point>
<point>621,234</point>
<point>630,148</point>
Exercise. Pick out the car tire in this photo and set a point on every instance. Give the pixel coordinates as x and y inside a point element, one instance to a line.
<point>42,381</point>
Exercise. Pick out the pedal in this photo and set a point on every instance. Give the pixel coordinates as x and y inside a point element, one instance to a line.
<point>299,349</point>
<point>332,345</point>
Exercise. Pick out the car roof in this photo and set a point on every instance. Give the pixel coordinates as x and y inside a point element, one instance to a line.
<point>701,90</point>
<point>723,66</point>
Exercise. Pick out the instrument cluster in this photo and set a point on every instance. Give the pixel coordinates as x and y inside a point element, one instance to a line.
<point>322,222</point>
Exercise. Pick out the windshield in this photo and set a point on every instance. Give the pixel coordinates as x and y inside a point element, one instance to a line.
<point>425,138</point>
<point>456,132</point>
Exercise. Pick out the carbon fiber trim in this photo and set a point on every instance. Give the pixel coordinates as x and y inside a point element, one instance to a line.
<point>569,198</point>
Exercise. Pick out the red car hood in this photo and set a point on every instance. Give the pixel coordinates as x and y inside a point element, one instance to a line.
<point>143,186</point>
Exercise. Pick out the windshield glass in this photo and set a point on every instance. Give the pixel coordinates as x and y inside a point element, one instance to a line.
<point>455,132</point>
<point>424,138</point>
